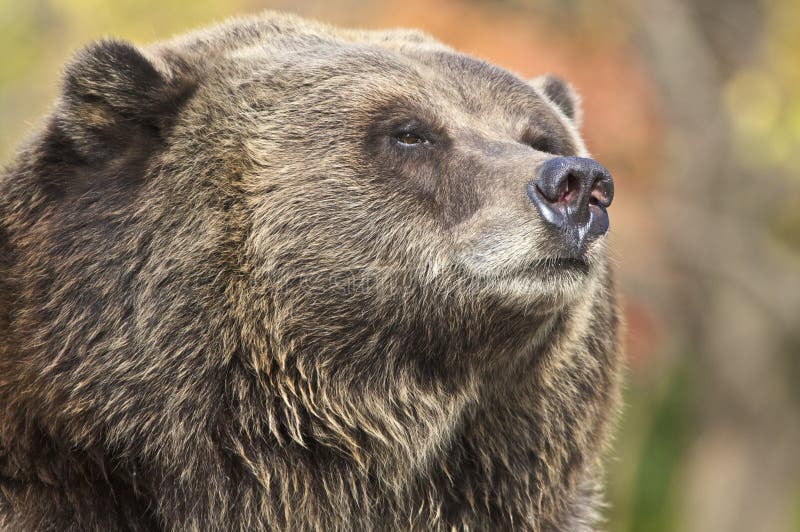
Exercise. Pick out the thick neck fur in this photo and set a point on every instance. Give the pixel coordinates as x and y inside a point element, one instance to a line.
<point>419,435</point>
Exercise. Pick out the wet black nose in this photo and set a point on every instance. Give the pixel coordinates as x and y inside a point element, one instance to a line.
<point>572,193</point>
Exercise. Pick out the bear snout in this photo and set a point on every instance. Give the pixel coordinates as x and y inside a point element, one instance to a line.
<point>572,194</point>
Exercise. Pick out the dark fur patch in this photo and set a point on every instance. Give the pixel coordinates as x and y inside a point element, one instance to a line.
<point>5,286</point>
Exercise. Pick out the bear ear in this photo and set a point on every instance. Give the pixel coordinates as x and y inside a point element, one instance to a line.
<point>114,75</point>
<point>116,102</point>
<point>561,94</point>
<point>113,82</point>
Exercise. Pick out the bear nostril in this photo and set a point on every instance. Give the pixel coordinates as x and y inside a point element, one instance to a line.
<point>602,192</point>
<point>561,191</point>
<point>571,187</point>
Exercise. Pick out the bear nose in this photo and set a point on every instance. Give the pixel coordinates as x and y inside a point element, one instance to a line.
<point>572,193</point>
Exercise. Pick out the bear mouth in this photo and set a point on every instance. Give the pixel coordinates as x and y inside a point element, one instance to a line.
<point>558,269</point>
<point>561,264</point>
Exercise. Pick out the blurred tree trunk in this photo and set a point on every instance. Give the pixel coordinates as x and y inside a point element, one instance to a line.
<point>736,294</point>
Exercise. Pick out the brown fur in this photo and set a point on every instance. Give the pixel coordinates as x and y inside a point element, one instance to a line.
<point>230,301</point>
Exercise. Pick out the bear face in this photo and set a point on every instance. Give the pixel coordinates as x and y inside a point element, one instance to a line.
<point>449,208</point>
<point>272,274</point>
<point>412,133</point>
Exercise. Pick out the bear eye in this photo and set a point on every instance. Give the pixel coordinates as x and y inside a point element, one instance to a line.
<point>409,139</point>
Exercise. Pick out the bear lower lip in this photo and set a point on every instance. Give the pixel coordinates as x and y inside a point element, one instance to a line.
<point>561,264</point>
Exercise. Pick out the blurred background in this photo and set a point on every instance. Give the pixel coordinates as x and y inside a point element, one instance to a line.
<point>695,108</point>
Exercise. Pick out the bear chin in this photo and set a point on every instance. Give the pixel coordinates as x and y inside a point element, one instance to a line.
<point>526,278</point>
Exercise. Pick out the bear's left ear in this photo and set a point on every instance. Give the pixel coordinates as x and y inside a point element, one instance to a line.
<point>112,86</point>
<point>117,105</point>
<point>561,94</point>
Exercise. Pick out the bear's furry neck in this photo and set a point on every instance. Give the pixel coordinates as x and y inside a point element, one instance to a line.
<point>544,409</point>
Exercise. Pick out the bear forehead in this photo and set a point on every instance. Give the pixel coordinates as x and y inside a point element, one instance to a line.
<point>285,41</point>
<point>374,74</point>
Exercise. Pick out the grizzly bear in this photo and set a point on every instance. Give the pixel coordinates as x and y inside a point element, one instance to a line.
<point>277,275</point>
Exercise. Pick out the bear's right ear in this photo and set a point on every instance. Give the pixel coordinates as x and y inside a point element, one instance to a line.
<point>115,101</point>
<point>561,94</point>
